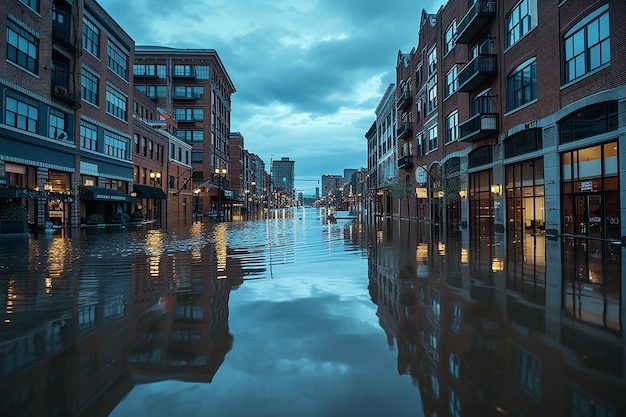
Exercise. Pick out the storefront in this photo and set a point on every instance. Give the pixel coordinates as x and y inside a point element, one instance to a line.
<point>525,198</point>
<point>481,194</point>
<point>591,193</point>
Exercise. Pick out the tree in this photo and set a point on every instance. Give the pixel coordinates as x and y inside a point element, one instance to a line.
<point>400,189</point>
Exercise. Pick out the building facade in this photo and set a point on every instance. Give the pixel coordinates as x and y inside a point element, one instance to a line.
<point>500,107</point>
<point>283,181</point>
<point>193,86</point>
<point>65,129</point>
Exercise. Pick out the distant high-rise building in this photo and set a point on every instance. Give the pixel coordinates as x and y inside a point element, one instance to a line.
<point>283,176</point>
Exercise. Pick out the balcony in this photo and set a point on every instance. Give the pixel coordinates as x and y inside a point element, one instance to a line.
<point>404,130</point>
<point>188,97</point>
<point>405,162</point>
<point>403,101</point>
<point>477,71</point>
<point>475,20</point>
<point>478,127</point>
<point>64,94</point>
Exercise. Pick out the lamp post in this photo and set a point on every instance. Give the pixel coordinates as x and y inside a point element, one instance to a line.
<point>155,178</point>
<point>221,173</point>
<point>253,186</point>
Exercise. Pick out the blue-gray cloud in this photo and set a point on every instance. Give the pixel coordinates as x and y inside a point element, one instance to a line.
<point>311,60</point>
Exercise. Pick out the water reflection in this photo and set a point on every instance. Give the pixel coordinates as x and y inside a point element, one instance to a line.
<point>482,332</point>
<point>284,316</point>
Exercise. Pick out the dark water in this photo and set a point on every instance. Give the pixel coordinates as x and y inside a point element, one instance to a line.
<point>296,317</point>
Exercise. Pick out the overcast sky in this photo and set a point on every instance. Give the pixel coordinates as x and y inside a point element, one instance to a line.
<point>308,73</point>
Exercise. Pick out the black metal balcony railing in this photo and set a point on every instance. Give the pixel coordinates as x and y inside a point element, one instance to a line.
<point>403,131</point>
<point>478,127</point>
<point>61,92</point>
<point>475,20</point>
<point>477,71</point>
<point>403,101</point>
<point>405,162</point>
<point>190,96</point>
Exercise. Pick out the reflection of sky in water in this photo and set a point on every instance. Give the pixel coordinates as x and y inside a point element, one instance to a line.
<point>307,341</point>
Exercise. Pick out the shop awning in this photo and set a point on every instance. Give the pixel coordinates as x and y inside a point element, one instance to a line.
<point>105,194</point>
<point>13,192</point>
<point>145,191</point>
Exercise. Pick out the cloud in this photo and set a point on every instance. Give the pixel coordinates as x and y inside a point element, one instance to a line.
<point>308,74</point>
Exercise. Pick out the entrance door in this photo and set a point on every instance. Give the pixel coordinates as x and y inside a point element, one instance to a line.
<point>588,215</point>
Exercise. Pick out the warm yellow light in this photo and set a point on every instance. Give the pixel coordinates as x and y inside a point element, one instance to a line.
<point>497,265</point>
<point>463,193</point>
<point>496,189</point>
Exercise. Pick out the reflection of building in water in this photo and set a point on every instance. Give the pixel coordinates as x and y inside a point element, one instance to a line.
<point>495,331</point>
<point>181,321</point>
<point>62,349</point>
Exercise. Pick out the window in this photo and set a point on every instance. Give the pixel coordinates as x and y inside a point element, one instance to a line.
<point>136,142</point>
<point>57,125</point>
<point>22,47</point>
<point>184,71</point>
<point>115,145</point>
<point>420,146</point>
<point>590,121</point>
<point>153,91</point>
<point>202,72</point>
<point>520,21</point>
<point>149,70</point>
<point>116,102</point>
<point>189,114</point>
<point>433,142</point>
<point>117,59</point>
<point>33,4</point>
<point>89,87</point>
<point>432,62</point>
<point>22,114</point>
<point>182,91</point>
<point>481,104</point>
<point>88,136</point>
<point>450,36</point>
<point>587,45</point>
<point>452,126</point>
<point>432,95</point>
<point>91,38</point>
<point>521,85</point>
<point>196,157</point>
<point>191,135</point>
<point>452,81</point>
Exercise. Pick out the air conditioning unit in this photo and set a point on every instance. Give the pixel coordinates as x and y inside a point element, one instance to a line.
<point>60,90</point>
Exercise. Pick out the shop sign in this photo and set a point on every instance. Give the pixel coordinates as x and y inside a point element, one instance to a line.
<point>421,192</point>
<point>586,186</point>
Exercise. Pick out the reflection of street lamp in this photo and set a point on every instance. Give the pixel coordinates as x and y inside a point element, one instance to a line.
<point>221,173</point>
<point>196,194</point>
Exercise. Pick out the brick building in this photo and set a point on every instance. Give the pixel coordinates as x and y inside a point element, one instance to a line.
<point>65,130</point>
<point>500,102</point>
<point>193,86</point>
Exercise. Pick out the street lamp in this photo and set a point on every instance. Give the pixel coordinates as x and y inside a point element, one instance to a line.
<point>155,178</point>
<point>221,173</point>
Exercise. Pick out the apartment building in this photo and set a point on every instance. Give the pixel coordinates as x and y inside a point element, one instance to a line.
<point>65,130</point>
<point>499,108</point>
<point>193,86</point>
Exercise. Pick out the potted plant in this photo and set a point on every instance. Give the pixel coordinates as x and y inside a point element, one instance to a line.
<point>94,219</point>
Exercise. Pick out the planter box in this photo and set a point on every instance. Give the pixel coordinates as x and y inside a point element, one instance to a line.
<point>13,227</point>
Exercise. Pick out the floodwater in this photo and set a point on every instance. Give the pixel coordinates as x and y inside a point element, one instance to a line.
<point>295,316</point>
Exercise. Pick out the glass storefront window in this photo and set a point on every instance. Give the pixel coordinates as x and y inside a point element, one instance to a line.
<point>590,192</point>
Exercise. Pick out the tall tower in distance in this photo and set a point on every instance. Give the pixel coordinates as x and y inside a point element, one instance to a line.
<point>283,179</point>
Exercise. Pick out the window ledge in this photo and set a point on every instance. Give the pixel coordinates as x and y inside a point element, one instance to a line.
<point>587,75</point>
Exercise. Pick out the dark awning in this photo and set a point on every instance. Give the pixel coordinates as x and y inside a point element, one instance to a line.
<point>13,192</point>
<point>105,194</point>
<point>149,192</point>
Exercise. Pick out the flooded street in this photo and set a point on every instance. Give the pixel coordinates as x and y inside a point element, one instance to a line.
<point>297,316</point>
